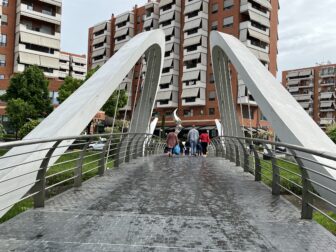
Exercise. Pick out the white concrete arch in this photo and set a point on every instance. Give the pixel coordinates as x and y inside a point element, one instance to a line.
<point>73,115</point>
<point>291,122</point>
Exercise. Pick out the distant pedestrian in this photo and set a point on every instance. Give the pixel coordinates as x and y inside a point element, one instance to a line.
<point>205,141</point>
<point>199,148</point>
<point>193,136</point>
<point>172,141</point>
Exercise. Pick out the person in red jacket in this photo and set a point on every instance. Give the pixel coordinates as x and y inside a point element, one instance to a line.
<point>205,140</point>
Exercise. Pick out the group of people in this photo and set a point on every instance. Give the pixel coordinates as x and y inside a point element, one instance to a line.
<point>197,144</point>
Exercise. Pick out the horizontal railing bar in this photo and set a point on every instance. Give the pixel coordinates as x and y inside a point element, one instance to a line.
<point>318,173</point>
<point>315,162</point>
<point>285,169</point>
<point>289,191</point>
<point>292,182</point>
<point>324,154</point>
<point>59,183</point>
<point>64,138</point>
<point>64,162</point>
<point>21,175</point>
<point>14,190</point>
<point>22,199</point>
<point>323,186</point>
<point>95,168</point>
<point>323,213</point>
<point>60,172</point>
<point>16,165</point>
<point>321,198</point>
<point>91,162</point>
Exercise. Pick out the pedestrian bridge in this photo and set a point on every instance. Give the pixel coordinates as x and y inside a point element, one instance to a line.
<point>136,199</point>
<point>167,204</point>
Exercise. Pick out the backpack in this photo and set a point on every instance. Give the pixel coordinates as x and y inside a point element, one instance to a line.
<point>177,150</point>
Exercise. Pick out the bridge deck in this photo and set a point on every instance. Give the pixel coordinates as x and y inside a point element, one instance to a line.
<point>167,204</point>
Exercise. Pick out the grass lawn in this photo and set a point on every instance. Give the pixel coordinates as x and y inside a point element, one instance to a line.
<point>65,163</point>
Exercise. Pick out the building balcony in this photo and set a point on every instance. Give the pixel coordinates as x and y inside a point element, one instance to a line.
<point>151,15</point>
<point>105,45</point>
<point>245,8</point>
<point>327,121</point>
<point>327,84</point>
<point>22,48</point>
<point>166,104</point>
<point>78,76</point>
<point>173,39</point>
<point>175,7</point>
<point>173,23</point>
<point>65,66</point>
<point>26,11</point>
<point>248,25</point>
<point>105,58</point>
<point>304,97</point>
<point>63,74</point>
<point>197,102</point>
<point>199,66</point>
<point>104,34</point>
<point>249,44</point>
<point>200,14</point>
<point>19,68</point>
<point>245,100</point>
<point>27,29</point>
<point>196,84</point>
<point>199,49</point>
<point>119,44</point>
<point>81,69</point>
<point>199,32</point>
<point>171,71</point>
<point>127,25</point>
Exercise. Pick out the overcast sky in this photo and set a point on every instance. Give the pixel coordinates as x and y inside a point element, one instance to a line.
<point>307,29</point>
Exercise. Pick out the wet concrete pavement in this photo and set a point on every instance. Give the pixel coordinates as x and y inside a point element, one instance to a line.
<point>167,204</point>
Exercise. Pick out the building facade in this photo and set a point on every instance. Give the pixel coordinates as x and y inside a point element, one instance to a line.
<point>73,65</point>
<point>314,88</point>
<point>187,82</point>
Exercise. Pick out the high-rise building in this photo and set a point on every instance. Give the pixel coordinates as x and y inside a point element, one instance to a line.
<point>314,88</point>
<point>187,82</point>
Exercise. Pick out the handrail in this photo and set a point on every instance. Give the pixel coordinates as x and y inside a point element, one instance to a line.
<point>77,161</point>
<point>309,181</point>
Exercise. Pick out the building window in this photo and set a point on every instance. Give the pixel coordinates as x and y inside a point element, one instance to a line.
<point>4,3</point>
<point>214,25</point>
<point>246,113</point>
<point>228,4</point>
<point>212,96</point>
<point>4,19</point>
<point>138,19</point>
<point>2,76</point>
<point>30,6</point>
<point>2,60</point>
<point>3,40</point>
<point>215,8</point>
<point>211,111</point>
<point>187,112</point>
<point>212,79</point>
<point>228,22</point>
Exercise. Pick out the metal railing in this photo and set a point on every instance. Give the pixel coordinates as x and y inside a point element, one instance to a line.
<point>285,168</point>
<point>85,157</point>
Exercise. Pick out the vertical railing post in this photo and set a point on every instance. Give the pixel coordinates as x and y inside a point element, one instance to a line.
<point>236,151</point>
<point>118,151</point>
<point>103,157</point>
<point>216,143</point>
<point>79,165</point>
<point>257,167</point>
<point>245,156</point>
<point>307,198</point>
<point>275,173</point>
<point>40,185</point>
<point>128,149</point>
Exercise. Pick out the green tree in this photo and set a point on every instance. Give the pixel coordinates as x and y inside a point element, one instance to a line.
<point>2,131</point>
<point>111,105</point>
<point>19,112</point>
<point>31,86</point>
<point>331,132</point>
<point>69,86</point>
<point>27,128</point>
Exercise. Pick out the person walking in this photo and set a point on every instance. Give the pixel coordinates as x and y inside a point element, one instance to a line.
<point>172,141</point>
<point>193,136</point>
<point>205,141</point>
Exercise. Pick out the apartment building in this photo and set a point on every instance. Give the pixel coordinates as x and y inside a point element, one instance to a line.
<point>187,81</point>
<point>314,88</point>
<point>72,65</point>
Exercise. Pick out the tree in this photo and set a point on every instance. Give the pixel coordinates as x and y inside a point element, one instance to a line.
<point>27,128</point>
<point>2,131</point>
<point>31,86</point>
<point>19,112</point>
<point>331,132</point>
<point>69,86</point>
<point>111,105</point>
